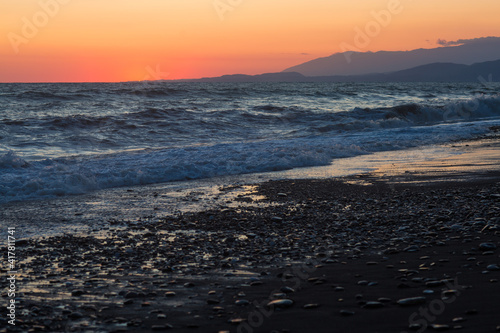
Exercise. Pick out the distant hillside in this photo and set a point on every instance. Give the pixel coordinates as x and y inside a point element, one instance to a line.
<point>361,63</point>
<point>267,77</point>
<point>435,72</point>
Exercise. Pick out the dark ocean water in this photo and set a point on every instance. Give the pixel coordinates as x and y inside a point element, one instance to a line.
<point>61,139</point>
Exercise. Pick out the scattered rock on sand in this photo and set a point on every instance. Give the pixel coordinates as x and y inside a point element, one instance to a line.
<point>411,301</point>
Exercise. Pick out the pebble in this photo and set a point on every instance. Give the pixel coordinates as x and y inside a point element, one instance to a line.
<point>287,290</point>
<point>493,267</point>
<point>411,301</point>
<point>487,246</point>
<point>440,327</point>
<point>161,327</point>
<point>236,321</point>
<point>412,248</point>
<point>280,303</point>
<point>242,302</point>
<point>346,313</point>
<point>384,299</point>
<point>311,306</point>
<point>77,292</point>
<point>433,284</point>
<point>373,305</point>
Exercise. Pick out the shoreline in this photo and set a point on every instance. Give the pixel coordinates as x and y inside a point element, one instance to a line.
<point>99,210</point>
<point>343,250</point>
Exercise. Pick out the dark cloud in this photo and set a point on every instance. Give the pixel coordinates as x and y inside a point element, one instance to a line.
<point>444,42</point>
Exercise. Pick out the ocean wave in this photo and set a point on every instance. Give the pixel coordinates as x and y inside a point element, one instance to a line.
<point>20,180</point>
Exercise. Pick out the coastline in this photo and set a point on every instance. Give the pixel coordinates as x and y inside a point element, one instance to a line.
<point>350,247</point>
<point>102,209</point>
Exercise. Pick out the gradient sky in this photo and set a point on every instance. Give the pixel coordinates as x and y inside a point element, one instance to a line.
<point>125,40</point>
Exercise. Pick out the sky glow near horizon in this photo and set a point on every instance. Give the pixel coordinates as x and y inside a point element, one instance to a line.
<point>105,40</point>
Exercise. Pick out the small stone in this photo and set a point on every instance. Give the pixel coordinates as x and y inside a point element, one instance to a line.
<point>432,284</point>
<point>75,315</point>
<point>346,313</point>
<point>458,319</point>
<point>493,267</point>
<point>280,303</point>
<point>339,289</point>
<point>242,302</point>
<point>363,283</point>
<point>415,327</point>
<point>439,327</point>
<point>170,294</point>
<point>132,294</point>
<point>188,285</point>
<point>77,292</point>
<point>287,290</point>
<point>411,301</point>
<point>373,305</point>
<point>412,248</point>
<point>311,306</point>
<point>487,246</point>
<point>236,321</point>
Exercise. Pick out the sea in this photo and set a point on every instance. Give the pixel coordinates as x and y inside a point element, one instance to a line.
<point>66,139</point>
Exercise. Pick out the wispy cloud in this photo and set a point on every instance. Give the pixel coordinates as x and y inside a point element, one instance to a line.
<point>444,42</point>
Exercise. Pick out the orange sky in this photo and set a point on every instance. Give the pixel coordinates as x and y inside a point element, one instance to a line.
<point>111,40</point>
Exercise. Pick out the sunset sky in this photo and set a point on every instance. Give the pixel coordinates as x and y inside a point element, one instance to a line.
<point>126,40</point>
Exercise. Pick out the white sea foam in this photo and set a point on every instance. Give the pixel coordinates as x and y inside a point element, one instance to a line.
<point>75,175</point>
<point>60,139</point>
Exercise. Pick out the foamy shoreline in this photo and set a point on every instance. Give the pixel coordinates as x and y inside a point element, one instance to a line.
<point>459,161</point>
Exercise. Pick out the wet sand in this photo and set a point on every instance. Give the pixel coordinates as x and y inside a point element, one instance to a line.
<point>403,248</point>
